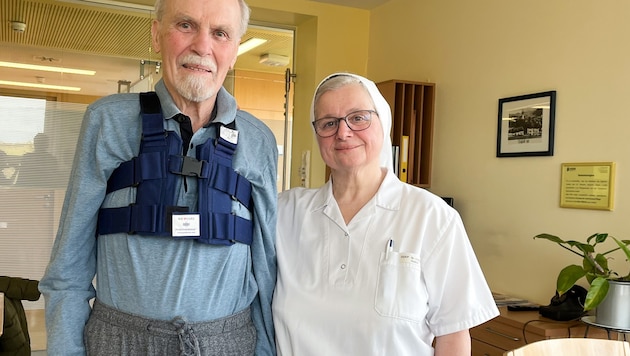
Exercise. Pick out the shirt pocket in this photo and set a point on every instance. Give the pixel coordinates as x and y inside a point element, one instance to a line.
<point>399,293</point>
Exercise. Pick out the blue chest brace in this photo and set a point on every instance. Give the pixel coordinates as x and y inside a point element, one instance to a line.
<point>154,173</point>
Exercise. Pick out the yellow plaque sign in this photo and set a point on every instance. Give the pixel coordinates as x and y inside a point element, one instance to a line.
<point>587,185</point>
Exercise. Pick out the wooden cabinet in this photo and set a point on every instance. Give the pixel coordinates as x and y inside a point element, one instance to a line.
<point>512,330</point>
<point>412,106</point>
<point>1,312</point>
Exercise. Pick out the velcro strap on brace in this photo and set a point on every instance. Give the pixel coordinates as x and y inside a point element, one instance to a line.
<point>139,219</point>
<point>228,181</point>
<point>224,226</point>
<point>131,173</point>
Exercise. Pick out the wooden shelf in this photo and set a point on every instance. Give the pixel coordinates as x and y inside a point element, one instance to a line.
<point>412,105</point>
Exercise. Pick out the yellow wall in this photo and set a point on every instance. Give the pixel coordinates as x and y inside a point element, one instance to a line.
<point>477,52</point>
<point>329,38</point>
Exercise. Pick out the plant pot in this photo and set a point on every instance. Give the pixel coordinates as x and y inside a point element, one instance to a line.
<point>614,310</point>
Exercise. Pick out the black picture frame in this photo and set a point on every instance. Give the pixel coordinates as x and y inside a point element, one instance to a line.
<point>525,125</point>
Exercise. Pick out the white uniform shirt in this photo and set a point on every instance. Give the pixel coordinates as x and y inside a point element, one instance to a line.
<point>339,290</point>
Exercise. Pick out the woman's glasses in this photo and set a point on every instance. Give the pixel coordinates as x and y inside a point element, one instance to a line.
<point>356,121</point>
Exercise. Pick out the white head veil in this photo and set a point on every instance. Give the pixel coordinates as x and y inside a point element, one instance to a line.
<point>382,108</point>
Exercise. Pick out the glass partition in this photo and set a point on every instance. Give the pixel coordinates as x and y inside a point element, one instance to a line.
<point>37,143</point>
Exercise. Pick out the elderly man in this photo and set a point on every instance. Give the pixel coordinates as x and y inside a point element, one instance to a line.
<point>171,206</point>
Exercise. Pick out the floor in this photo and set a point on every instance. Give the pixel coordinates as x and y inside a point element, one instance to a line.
<point>37,331</point>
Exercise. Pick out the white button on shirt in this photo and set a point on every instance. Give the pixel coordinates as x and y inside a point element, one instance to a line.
<point>339,291</point>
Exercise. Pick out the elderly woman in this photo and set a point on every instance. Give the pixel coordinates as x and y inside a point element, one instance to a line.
<point>367,264</point>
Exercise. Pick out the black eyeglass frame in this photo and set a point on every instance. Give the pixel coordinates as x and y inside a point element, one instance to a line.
<point>345,118</point>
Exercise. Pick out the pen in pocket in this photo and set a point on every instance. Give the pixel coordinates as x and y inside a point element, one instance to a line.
<point>390,248</point>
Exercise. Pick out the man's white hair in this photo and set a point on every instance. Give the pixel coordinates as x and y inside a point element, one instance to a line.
<point>245,13</point>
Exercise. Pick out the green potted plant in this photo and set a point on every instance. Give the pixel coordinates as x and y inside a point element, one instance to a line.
<point>594,268</point>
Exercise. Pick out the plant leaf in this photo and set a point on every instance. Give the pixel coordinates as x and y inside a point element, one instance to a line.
<point>567,278</point>
<point>586,248</point>
<point>622,245</point>
<point>582,247</point>
<point>588,239</point>
<point>599,238</point>
<point>596,293</point>
<point>549,237</point>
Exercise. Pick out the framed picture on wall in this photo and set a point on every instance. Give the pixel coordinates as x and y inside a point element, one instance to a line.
<point>526,125</point>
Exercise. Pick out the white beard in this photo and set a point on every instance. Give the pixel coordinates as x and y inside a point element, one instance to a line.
<point>194,89</point>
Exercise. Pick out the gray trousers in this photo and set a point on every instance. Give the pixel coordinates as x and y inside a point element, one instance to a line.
<point>110,332</point>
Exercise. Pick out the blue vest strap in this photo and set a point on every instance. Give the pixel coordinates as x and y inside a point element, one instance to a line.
<point>219,189</point>
<point>134,172</point>
<point>137,219</point>
<point>227,229</point>
<point>233,184</point>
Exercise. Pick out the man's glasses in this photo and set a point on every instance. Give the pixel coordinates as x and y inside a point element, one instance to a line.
<point>356,121</point>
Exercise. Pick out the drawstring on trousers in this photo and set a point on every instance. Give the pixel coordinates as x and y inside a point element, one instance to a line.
<point>188,343</point>
<point>177,336</point>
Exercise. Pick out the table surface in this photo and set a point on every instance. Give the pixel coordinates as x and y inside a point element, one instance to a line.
<point>536,323</point>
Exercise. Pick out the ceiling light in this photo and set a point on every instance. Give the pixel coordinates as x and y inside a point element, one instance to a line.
<point>18,26</point>
<point>37,85</point>
<point>274,60</point>
<point>250,44</point>
<point>113,3</point>
<point>122,4</point>
<point>47,68</point>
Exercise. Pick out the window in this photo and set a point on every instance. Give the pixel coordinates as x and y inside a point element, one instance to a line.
<point>37,143</point>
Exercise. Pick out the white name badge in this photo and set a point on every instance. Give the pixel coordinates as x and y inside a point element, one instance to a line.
<point>186,225</point>
<point>409,258</point>
<point>229,135</point>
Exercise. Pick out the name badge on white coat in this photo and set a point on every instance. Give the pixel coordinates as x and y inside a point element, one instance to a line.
<point>408,258</point>
<point>229,135</point>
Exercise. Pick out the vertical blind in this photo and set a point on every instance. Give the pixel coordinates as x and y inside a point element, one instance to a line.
<point>37,144</point>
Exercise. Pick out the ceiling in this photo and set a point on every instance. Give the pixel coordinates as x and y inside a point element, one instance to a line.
<point>361,4</point>
<point>112,37</point>
<point>112,40</point>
